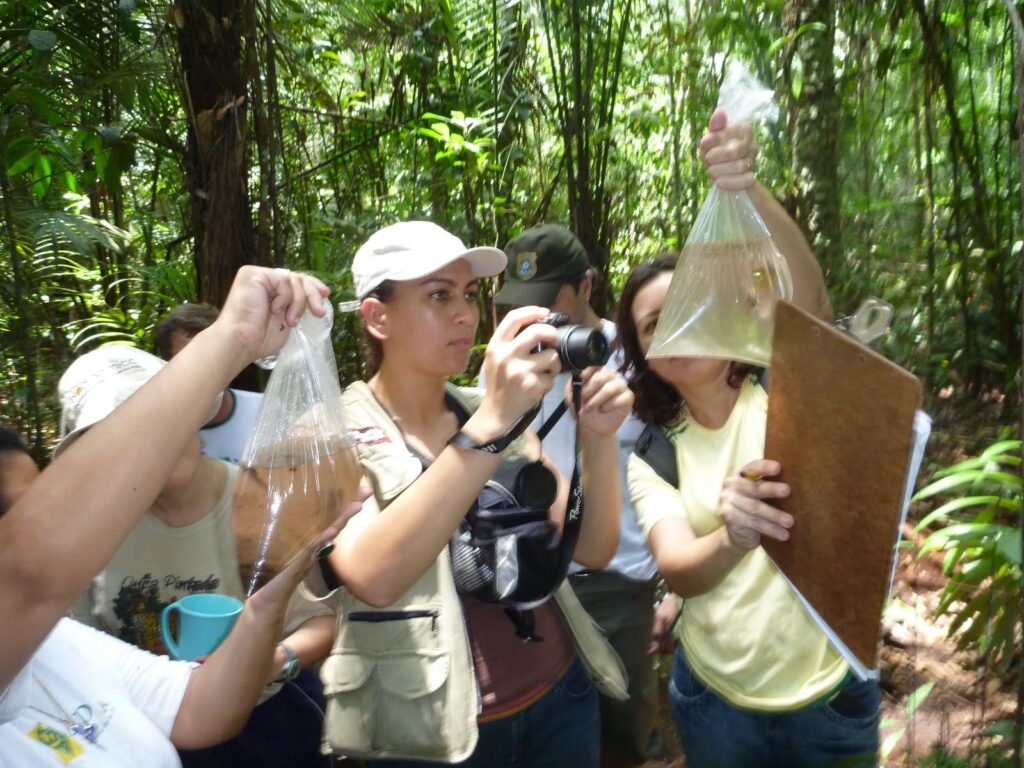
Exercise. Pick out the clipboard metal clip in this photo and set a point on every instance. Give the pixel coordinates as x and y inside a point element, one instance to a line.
<point>870,321</point>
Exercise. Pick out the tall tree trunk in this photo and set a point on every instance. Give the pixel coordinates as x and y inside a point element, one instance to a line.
<point>931,233</point>
<point>676,107</point>
<point>814,125</point>
<point>585,43</point>
<point>264,139</point>
<point>216,163</point>
<point>22,322</point>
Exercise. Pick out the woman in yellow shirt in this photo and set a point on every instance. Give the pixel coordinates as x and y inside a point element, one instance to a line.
<point>755,682</point>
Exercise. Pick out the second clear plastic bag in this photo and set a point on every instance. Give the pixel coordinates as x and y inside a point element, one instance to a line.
<point>299,470</point>
<point>721,300</point>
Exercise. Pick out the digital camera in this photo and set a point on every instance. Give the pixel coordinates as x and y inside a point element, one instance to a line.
<point>578,346</point>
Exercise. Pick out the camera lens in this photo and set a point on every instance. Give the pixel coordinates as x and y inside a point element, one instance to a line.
<point>597,349</point>
<point>535,486</point>
<point>581,347</point>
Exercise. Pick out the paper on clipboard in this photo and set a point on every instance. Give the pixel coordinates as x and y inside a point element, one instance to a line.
<point>844,423</point>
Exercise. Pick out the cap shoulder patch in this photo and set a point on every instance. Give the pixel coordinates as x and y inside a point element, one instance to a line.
<point>526,265</point>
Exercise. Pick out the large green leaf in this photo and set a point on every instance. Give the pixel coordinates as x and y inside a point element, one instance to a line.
<point>970,476</point>
<point>966,502</point>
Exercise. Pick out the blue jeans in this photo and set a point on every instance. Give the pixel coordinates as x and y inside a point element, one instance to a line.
<point>840,732</point>
<point>559,730</point>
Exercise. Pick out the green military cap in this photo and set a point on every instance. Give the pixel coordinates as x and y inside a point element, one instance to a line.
<point>540,260</point>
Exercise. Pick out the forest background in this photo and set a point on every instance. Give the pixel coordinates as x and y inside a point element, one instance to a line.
<point>148,149</point>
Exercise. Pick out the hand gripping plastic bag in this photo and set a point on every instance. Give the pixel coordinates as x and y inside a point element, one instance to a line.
<point>299,470</point>
<point>721,300</point>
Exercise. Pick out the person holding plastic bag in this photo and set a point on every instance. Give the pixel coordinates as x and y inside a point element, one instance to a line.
<point>755,681</point>
<point>54,672</point>
<point>420,672</point>
<point>185,545</point>
<point>738,259</point>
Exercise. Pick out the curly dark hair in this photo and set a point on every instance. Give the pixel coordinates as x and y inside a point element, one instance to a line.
<point>657,401</point>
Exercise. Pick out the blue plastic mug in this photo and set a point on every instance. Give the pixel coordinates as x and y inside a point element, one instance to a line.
<point>204,620</point>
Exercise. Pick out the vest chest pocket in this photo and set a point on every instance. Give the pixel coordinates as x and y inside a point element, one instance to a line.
<point>391,467</point>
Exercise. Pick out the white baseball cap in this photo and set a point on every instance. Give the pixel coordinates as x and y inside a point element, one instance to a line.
<point>413,249</point>
<point>97,383</point>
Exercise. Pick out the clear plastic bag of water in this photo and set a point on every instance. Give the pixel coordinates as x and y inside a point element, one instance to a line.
<point>721,300</point>
<point>299,470</point>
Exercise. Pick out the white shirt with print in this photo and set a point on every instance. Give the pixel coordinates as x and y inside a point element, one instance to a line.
<point>123,702</point>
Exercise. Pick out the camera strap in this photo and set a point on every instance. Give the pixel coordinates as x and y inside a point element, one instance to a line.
<point>574,506</point>
<point>551,420</point>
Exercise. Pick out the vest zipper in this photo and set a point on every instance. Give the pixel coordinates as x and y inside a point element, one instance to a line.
<point>379,616</point>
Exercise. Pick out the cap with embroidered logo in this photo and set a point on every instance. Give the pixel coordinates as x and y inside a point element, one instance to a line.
<point>540,260</point>
<point>410,250</point>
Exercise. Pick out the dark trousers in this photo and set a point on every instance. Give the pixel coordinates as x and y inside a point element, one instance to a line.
<point>282,732</point>
<point>624,609</point>
<point>840,732</point>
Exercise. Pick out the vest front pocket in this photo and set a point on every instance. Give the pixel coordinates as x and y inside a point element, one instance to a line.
<point>386,704</point>
<point>349,717</point>
<point>386,684</point>
<point>412,699</point>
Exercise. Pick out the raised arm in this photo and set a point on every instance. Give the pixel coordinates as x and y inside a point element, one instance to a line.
<point>605,403</point>
<point>83,506</point>
<point>730,154</point>
<point>381,554</point>
<point>808,281</point>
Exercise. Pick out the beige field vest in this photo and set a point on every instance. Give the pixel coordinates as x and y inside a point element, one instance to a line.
<point>399,681</point>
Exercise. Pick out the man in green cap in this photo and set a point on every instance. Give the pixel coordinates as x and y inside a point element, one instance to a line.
<point>548,267</point>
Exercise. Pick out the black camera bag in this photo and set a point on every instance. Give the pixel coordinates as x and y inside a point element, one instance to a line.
<point>498,528</point>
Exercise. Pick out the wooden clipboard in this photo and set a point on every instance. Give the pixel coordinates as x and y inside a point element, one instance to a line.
<point>840,422</point>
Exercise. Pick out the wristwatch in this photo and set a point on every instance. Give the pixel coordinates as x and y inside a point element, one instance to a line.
<point>290,668</point>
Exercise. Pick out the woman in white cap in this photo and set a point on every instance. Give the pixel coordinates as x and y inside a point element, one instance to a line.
<point>419,670</point>
<point>70,695</point>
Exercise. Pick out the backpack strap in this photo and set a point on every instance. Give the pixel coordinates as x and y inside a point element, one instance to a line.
<point>655,448</point>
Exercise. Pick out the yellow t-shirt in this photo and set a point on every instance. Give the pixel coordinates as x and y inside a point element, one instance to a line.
<point>749,638</point>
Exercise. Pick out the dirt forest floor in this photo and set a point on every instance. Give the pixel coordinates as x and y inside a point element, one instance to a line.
<point>949,727</point>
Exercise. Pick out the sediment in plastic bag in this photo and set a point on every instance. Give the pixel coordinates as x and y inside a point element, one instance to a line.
<point>278,510</point>
<point>721,301</point>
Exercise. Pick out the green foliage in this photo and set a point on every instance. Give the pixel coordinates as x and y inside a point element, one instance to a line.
<point>891,730</point>
<point>980,535</point>
<point>489,116</point>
